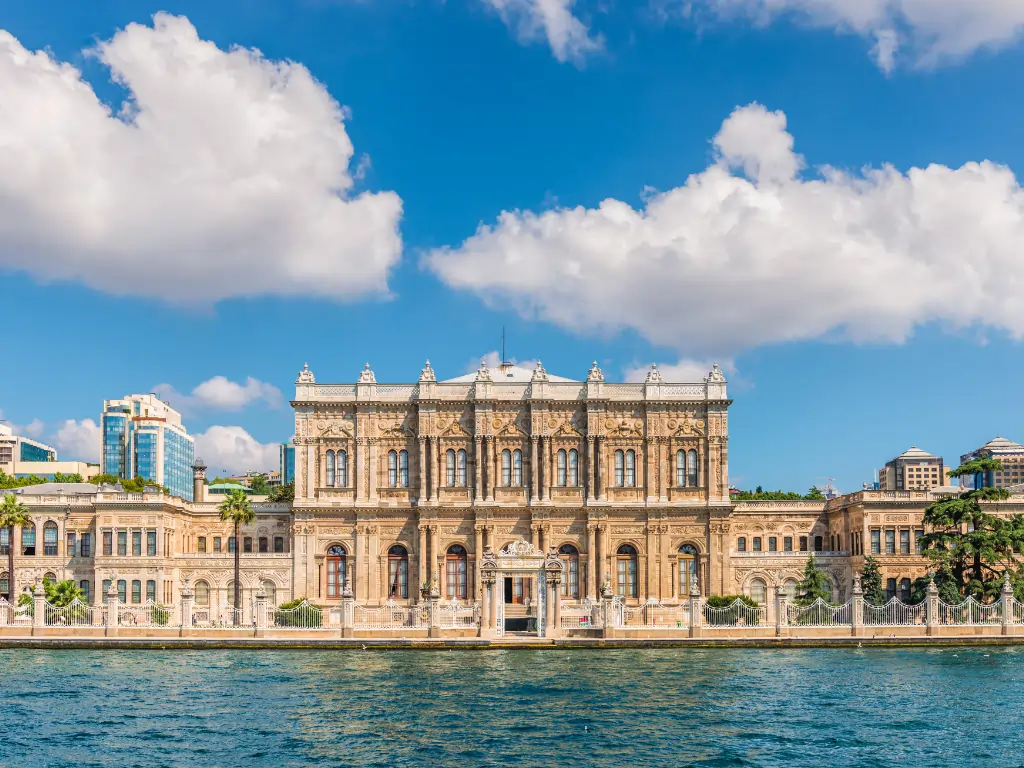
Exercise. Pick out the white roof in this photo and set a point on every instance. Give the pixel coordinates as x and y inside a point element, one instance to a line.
<point>914,453</point>
<point>1001,444</point>
<point>507,372</point>
<point>50,489</point>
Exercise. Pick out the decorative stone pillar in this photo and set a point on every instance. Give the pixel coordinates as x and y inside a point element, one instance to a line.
<point>348,612</point>
<point>931,607</point>
<point>591,563</point>
<point>435,554</point>
<point>857,620</point>
<point>535,537</point>
<point>589,474</point>
<point>421,470</point>
<point>478,550</point>
<point>38,606</point>
<point>112,605</point>
<point>374,474</point>
<point>545,466</point>
<point>478,469</point>
<point>609,616</point>
<point>359,471</point>
<point>486,619</point>
<point>260,619</point>
<point>1007,598</point>
<point>422,566</point>
<point>601,495</point>
<point>696,611</point>
<point>781,614</point>
<point>435,459</point>
<point>187,597</point>
<point>489,481</point>
<point>434,604</point>
<point>534,474</point>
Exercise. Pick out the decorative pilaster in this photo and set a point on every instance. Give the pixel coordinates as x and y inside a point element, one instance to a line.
<point>601,483</point>
<point>696,611</point>
<point>422,564</point>
<point>360,469</point>
<point>38,606</point>
<point>1007,598</point>
<point>478,548</point>
<point>374,474</point>
<point>260,619</point>
<point>186,604</point>
<point>589,473</point>
<point>534,479</point>
<point>591,563</point>
<point>478,466</point>
<point>489,481</point>
<point>931,607</point>
<point>545,467</point>
<point>857,620</point>
<point>421,470</point>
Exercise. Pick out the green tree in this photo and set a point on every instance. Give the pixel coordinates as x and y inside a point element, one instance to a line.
<point>237,509</point>
<point>759,494</point>
<point>871,582</point>
<point>971,549</point>
<point>814,494</point>
<point>284,492</point>
<point>105,479</point>
<point>259,485</point>
<point>813,585</point>
<point>12,513</point>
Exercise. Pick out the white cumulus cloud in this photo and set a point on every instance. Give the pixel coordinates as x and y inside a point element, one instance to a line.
<point>684,371</point>
<point>78,441</point>
<point>235,450</point>
<point>551,20</point>
<point>493,360</point>
<point>221,393</point>
<point>223,174</point>
<point>931,31</point>
<point>728,261</point>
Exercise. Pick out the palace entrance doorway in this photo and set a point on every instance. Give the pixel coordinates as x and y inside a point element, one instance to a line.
<point>521,591</point>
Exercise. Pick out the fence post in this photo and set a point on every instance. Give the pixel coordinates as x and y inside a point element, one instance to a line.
<point>348,612</point>
<point>781,614</point>
<point>1007,604</point>
<point>696,610</point>
<point>434,606</point>
<point>260,619</point>
<point>4,610</point>
<point>932,608</point>
<point>857,619</point>
<point>38,607</point>
<point>609,616</point>
<point>112,606</point>
<point>186,604</point>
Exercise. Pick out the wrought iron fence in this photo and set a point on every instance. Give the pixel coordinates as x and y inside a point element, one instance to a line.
<point>74,614</point>
<point>654,615</point>
<point>737,614</point>
<point>390,616</point>
<point>971,612</point>
<point>581,616</point>
<point>455,615</point>
<point>820,614</point>
<point>303,616</point>
<point>149,614</point>
<point>895,613</point>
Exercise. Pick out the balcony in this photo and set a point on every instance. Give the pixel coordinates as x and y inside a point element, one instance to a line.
<point>802,555</point>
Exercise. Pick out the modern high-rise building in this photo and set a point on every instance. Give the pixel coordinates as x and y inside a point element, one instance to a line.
<point>1008,453</point>
<point>912,470</point>
<point>287,463</point>
<point>144,437</point>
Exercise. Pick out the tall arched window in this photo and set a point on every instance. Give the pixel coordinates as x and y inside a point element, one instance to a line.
<point>691,468</point>
<point>574,468</point>
<point>136,591</point>
<point>506,468</point>
<point>461,469</point>
<point>336,571</point>
<point>50,538</point>
<point>620,469</point>
<point>151,591</point>
<point>330,469</point>
<point>687,569</point>
<point>270,590</point>
<point>758,590</point>
<point>789,588</point>
<point>398,572</point>
<point>456,572</point>
<point>562,462</point>
<point>392,469</point>
<point>631,468</point>
<point>517,468</point>
<point>122,590</point>
<point>626,567</point>
<point>680,469</point>
<point>202,593</point>
<point>342,476</point>
<point>403,469</point>
<point>450,467</point>
<point>28,539</point>
<point>571,578</point>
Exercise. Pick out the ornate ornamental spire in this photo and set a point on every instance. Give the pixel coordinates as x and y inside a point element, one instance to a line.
<point>716,376</point>
<point>427,374</point>
<point>484,373</point>
<point>595,373</point>
<point>306,375</point>
<point>539,374</point>
<point>366,376</point>
<point>653,375</point>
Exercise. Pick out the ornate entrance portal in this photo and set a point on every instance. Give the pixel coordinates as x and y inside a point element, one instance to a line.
<point>530,573</point>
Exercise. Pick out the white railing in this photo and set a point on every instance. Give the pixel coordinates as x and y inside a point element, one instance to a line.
<point>970,612</point>
<point>74,614</point>
<point>1017,614</point>
<point>455,615</point>
<point>390,616</point>
<point>654,615</point>
<point>303,616</point>
<point>212,617</point>
<point>737,614</point>
<point>820,614</point>
<point>149,614</point>
<point>582,616</point>
<point>894,614</point>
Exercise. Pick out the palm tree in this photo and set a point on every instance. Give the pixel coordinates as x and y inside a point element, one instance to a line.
<point>238,510</point>
<point>12,513</point>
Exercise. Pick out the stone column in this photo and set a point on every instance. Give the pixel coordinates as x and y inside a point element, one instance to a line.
<point>782,614</point>
<point>38,607</point>
<point>373,566</point>
<point>489,481</point>
<point>374,473</point>
<point>497,582</point>
<point>610,620</point>
<point>606,572</point>
<point>359,473</point>
<point>186,605</point>
<point>591,563</point>
<point>421,469</point>
<point>857,620</point>
<point>555,627</point>
<point>422,564</point>
<point>601,483</point>
<point>1007,599</point>
<point>696,611</point>
<point>545,466</point>
<point>478,469</point>
<point>534,474</point>
<point>589,472</point>
<point>478,552</point>
<point>434,626</point>
<point>486,620</point>
<point>112,603</point>
<point>348,613</point>
<point>435,555</point>
<point>260,619</point>
<point>932,608</point>
<point>535,537</point>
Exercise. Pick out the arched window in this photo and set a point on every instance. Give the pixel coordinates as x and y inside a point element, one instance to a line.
<point>136,591</point>
<point>758,590</point>
<point>335,571</point>
<point>691,468</point>
<point>49,577</point>
<point>455,570</point>
<point>789,589</point>
<point>330,469</point>
<point>741,544</point>
<point>263,544</point>
<point>680,469</point>
<point>50,539</point>
<point>687,569</point>
<point>574,468</point>
<point>620,471</point>
<point>630,468</point>
<point>270,590</point>
<point>450,467</point>
<point>517,468</point>
<point>202,593</point>
<point>461,467</point>
<point>626,568</point>
<point>393,469</point>
<point>563,467</point>
<point>398,572</point>
<point>571,578</point>
<point>905,590</point>
<point>151,591</point>
<point>342,476</point>
<point>122,590</point>
<point>28,539</point>
<point>506,468</point>
<point>403,469</point>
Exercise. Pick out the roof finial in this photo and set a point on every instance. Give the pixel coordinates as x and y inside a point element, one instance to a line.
<point>366,376</point>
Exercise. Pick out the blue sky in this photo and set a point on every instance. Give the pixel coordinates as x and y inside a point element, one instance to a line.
<point>847,245</point>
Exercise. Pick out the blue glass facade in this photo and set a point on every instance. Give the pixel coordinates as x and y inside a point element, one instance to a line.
<point>179,455</point>
<point>144,444</point>
<point>287,463</point>
<point>31,452</point>
<point>114,427</point>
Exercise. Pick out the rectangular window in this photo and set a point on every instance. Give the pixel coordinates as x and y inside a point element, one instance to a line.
<point>818,543</point>
<point>86,545</point>
<point>741,544</point>
<point>773,544</point>
<point>904,542</point>
<point>151,591</point>
<point>279,543</point>
<point>231,543</point>
<point>122,543</point>
<point>201,545</point>
<point>216,543</point>
<point>757,543</point>
<point>50,540</point>
<point>151,543</point>
<point>264,544</point>
<point>72,544</point>
<point>84,586</point>
<point>108,547</point>
<point>136,591</point>
<point>137,543</point>
<point>890,589</point>
<point>890,541</point>
<point>122,590</point>
<point>918,546</point>
<point>787,543</point>
<point>803,543</point>
<point>5,541</point>
<point>106,588</point>
<point>876,542</point>
<point>247,544</point>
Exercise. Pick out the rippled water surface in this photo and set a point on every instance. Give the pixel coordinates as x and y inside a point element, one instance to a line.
<point>744,707</point>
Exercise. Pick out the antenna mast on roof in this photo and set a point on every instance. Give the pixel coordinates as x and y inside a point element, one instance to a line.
<point>503,345</point>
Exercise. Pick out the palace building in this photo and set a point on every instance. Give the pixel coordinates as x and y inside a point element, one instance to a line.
<point>405,488</point>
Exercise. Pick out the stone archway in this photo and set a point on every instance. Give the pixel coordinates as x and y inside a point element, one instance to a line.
<point>520,559</point>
